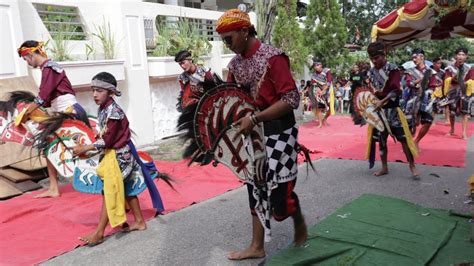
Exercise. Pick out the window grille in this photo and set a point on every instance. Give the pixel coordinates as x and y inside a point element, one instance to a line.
<point>62,21</point>
<point>205,27</point>
<point>149,25</point>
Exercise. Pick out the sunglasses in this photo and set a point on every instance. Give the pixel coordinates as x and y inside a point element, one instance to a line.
<point>227,40</point>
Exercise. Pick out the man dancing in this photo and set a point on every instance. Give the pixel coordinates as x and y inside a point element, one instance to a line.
<point>459,84</point>
<point>421,82</point>
<point>321,93</point>
<point>265,71</point>
<point>190,80</point>
<point>439,92</point>
<point>384,80</point>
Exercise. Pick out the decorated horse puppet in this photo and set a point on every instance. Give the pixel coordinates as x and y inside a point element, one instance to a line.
<point>76,129</point>
<point>55,135</point>
<point>209,131</point>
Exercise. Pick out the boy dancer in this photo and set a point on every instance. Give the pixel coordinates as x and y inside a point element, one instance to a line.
<point>55,91</point>
<point>117,153</point>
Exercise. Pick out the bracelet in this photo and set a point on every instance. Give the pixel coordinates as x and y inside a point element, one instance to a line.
<point>254,120</point>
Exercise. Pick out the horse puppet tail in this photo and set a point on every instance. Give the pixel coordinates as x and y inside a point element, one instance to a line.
<point>48,129</point>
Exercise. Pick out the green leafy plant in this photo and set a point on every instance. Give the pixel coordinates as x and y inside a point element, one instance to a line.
<point>326,33</point>
<point>162,40</point>
<point>288,36</point>
<point>59,48</point>
<point>183,35</point>
<point>106,38</point>
<point>89,50</point>
<point>55,17</point>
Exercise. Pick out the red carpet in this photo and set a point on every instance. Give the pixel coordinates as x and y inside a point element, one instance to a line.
<point>342,139</point>
<point>35,230</point>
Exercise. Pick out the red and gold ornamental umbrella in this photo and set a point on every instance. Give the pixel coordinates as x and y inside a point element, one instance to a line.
<point>417,20</point>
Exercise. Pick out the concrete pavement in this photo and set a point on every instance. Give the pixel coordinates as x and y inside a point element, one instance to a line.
<point>203,234</point>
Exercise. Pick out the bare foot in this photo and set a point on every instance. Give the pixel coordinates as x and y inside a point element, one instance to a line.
<point>92,239</point>
<point>464,137</point>
<point>248,253</point>
<point>301,234</point>
<point>138,226</point>
<point>381,172</point>
<point>414,173</point>
<point>450,134</point>
<point>48,194</point>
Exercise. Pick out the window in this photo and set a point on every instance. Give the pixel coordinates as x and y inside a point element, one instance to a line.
<point>204,27</point>
<point>193,4</point>
<point>149,33</point>
<point>62,21</point>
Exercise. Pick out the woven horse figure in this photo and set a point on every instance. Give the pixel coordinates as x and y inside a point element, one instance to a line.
<point>364,101</point>
<point>209,131</point>
<point>76,129</point>
<point>12,131</point>
<point>54,136</point>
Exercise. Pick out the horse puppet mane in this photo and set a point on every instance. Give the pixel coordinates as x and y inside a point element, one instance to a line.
<point>14,98</point>
<point>186,122</point>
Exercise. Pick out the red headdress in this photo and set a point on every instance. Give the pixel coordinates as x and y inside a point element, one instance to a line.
<point>233,19</point>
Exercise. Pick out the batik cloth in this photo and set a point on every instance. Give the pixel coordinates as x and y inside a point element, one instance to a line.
<point>232,20</point>
<point>275,197</point>
<point>420,100</point>
<point>386,83</point>
<point>265,71</point>
<point>458,83</point>
<point>319,80</point>
<point>115,134</point>
<point>191,86</point>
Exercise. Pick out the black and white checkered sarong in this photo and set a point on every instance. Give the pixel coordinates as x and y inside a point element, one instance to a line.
<point>282,167</point>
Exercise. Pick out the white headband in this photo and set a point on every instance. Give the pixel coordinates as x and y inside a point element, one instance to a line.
<point>105,85</point>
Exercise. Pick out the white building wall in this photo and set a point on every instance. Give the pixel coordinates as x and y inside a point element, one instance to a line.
<point>12,36</point>
<point>149,100</point>
<point>164,96</point>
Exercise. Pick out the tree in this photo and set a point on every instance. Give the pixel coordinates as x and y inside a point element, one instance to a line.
<point>362,15</point>
<point>266,11</point>
<point>432,48</point>
<point>325,33</point>
<point>288,36</point>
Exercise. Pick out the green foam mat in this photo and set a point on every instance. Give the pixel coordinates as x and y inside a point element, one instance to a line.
<point>380,230</point>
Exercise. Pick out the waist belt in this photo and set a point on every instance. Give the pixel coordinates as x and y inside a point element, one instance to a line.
<point>279,125</point>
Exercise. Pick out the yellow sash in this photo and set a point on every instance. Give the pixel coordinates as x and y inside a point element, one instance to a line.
<point>438,93</point>
<point>114,192</point>
<point>469,87</point>
<point>407,132</point>
<point>471,183</point>
<point>331,100</point>
<point>447,85</point>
